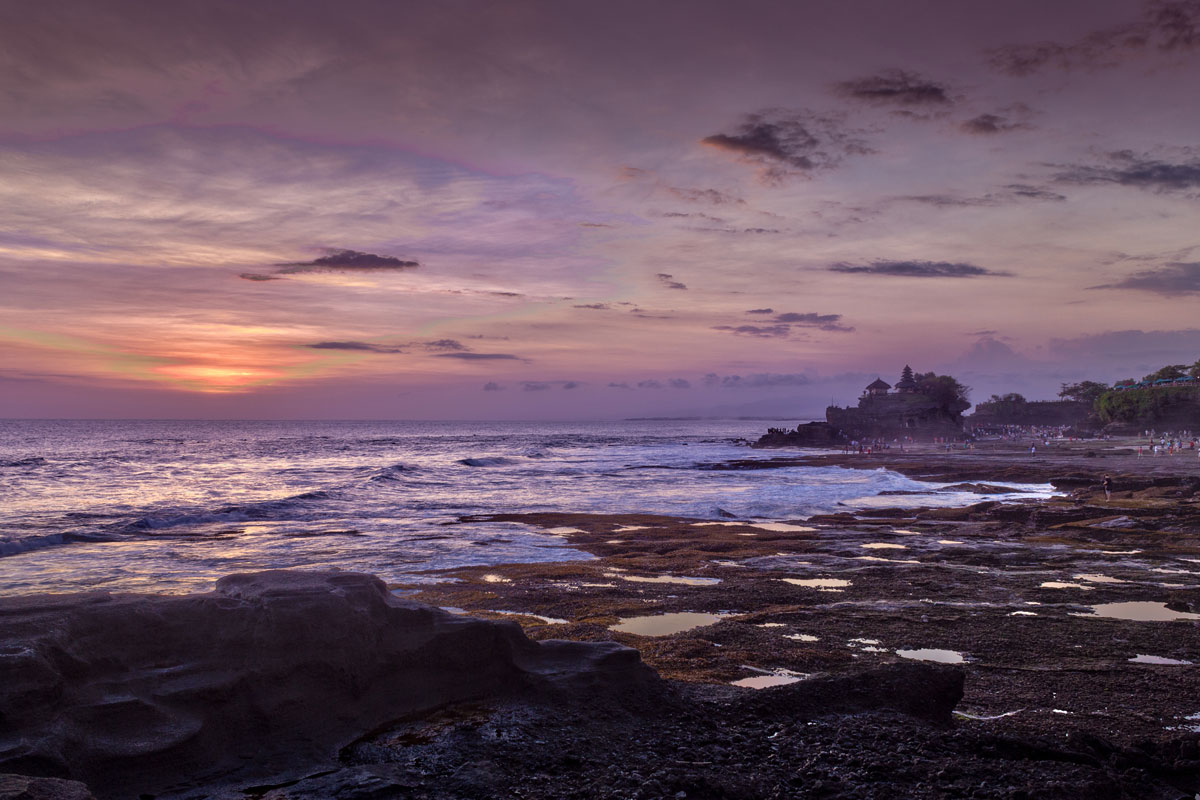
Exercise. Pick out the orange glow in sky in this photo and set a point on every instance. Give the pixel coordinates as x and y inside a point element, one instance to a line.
<point>210,378</point>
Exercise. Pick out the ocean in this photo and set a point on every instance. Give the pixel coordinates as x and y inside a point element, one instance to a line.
<point>169,506</point>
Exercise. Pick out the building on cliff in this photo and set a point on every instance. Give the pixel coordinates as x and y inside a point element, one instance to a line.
<point>921,407</point>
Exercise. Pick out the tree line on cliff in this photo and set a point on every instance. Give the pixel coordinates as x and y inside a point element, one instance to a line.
<point>1145,402</point>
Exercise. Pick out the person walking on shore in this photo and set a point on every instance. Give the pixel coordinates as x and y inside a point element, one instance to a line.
<point>1107,487</point>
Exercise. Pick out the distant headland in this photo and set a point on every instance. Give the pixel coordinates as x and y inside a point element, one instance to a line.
<point>929,407</point>
<point>920,407</point>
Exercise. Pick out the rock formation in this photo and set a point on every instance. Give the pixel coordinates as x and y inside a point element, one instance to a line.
<point>893,415</point>
<point>261,680</point>
<point>922,407</point>
<point>22,787</point>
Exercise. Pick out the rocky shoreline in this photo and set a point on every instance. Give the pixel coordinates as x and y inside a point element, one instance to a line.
<point>1063,633</point>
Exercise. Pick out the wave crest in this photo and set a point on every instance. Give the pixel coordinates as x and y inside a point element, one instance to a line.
<point>485,461</point>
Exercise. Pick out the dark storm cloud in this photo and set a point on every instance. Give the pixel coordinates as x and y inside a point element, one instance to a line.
<point>669,281</point>
<point>254,276</point>
<point>444,344</point>
<point>1169,280</point>
<point>650,384</point>
<point>594,306</point>
<point>479,356</point>
<point>437,345</point>
<point>949,200</point>
<point>785,322</point>
<point>761,311</point>
<point>679,383</point>
<point>1126,168</point>
<point>826,322</point>
<point>1010,193</point>
<point>1025,191</point>
<point>916,269</point>
<point>790,142</point>
<point>1165,25</point>
<point>492,386</point>
<point>348,261</point>
<point>361,347</point>
<point>761,331</point>
<point>896,87</point>
<point>711,196</point>
<point>571,384</point>
<point>989,124</point>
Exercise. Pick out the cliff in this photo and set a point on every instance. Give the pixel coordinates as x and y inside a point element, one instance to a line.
<point>890,416</point>
<point>1051,413</point>
<point>1164,408</point>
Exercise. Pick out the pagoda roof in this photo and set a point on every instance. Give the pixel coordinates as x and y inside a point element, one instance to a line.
<point>879,383</point>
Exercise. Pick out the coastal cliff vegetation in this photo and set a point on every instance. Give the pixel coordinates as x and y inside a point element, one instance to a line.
<point>1168,396</point>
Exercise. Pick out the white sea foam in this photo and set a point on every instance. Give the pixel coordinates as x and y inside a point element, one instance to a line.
<point>169,506</point>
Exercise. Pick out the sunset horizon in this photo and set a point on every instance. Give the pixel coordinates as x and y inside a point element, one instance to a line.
<point>550,400</point>
<point>524,210</point>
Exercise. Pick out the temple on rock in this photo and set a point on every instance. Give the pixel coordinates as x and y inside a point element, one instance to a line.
<point>918,408</point>
<point>921,407</point>
<point>878,387</point>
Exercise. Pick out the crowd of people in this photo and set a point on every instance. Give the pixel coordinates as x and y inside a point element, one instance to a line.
<point>1171,443</point>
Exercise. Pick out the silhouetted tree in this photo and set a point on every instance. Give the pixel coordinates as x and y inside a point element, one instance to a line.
<point>945,390</point>
<point>1084,391</point>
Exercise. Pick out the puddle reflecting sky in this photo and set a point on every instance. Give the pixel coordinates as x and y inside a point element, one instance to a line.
<point>818,583</point>
<point>1139,611</point>
<point>932,654</point>
<point>1141,658</point>
<point>665,624</point>
<point>682,579</point>
<point>766,681</point>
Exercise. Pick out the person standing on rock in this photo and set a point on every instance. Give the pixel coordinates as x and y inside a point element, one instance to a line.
<point>1108,487</point>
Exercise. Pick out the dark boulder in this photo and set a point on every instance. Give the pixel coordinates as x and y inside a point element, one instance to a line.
<point>925,691</point>
<point>263,679</point>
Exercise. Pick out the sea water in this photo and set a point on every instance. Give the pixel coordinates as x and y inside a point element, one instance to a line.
<point>168,506</point>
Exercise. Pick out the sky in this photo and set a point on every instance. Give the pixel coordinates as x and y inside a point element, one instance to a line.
<point>560,210</point>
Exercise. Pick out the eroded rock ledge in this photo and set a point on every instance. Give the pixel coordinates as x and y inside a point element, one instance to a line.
<point>259,680</point>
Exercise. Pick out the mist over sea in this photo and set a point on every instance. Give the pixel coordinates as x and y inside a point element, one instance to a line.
<point>168,506</point>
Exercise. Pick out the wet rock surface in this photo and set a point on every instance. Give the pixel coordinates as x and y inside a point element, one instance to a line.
<point>1068,623</point>
<point>22,787</point>
<point>1059,700</point>
<point>267,676</point>
<point>708,742</point>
